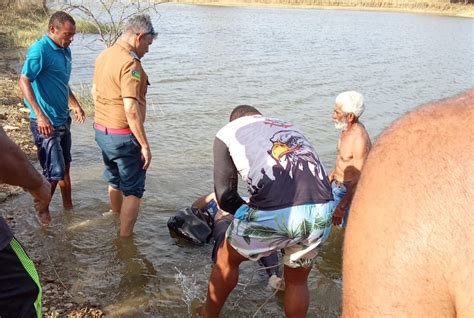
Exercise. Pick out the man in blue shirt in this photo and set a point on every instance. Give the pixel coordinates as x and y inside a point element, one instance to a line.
<point>44,82</point>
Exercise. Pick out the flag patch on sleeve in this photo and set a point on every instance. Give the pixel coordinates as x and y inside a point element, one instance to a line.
<point>136,74</point>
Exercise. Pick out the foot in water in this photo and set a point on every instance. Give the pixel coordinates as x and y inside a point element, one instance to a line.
<point>276,283</point>
<point>197,310</point>
<point>44,218</point>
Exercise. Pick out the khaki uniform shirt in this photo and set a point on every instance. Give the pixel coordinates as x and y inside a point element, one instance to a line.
<point>118,74</point>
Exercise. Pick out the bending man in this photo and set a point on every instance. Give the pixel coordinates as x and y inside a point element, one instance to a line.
<point>290,205</point>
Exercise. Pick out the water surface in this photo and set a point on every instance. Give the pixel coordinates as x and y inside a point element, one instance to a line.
<point>289,63</point>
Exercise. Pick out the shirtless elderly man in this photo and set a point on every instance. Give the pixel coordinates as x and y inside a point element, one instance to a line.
<point>352,149</point>
<point>409,246</point>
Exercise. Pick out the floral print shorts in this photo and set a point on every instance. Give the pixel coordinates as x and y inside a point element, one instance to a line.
<point>297,231</point>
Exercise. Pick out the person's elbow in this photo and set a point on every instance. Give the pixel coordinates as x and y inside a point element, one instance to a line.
<point>23,83</point>
<point>230,201</point>
<point>131,109</point>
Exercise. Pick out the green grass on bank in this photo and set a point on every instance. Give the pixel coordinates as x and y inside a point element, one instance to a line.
<point>83,26</point>
<point>20,28</point>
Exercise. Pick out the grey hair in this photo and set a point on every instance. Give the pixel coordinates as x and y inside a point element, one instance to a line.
<point>140,23</point>
<point>351,102</point>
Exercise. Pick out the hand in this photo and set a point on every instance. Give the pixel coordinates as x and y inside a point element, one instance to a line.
<point>338,214</point>
<point>331,176</point>
<point>79,114</point>
<point>146,157</point>
<point>44,125</point>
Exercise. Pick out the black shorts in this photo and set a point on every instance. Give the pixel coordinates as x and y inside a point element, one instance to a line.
<point>220,227</point>
<point>20,289</point>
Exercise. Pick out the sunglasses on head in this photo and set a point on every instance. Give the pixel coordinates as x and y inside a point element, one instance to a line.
<point>152,33</point>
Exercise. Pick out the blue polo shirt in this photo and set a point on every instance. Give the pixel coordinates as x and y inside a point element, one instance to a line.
<point>48,67</point>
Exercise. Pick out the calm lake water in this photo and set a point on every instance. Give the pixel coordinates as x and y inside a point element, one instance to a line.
<point>289,63</point>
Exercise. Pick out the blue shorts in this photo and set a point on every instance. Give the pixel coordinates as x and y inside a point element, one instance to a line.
<point>123,162</point>
<point>338,192</point>
<point>54,152</point>
<point>298,231</point>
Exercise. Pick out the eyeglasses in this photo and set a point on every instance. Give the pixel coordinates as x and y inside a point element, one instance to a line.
<point>152,33</point>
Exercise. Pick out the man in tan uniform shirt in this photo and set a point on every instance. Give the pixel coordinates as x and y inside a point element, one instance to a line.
<point>119,89</point>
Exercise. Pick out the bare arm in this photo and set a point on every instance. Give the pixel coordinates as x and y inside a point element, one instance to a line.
<point>44,125</point>
<point>225,179</point>
<point>17,170</point>
<point>331,175</point>
<point>135,122</point>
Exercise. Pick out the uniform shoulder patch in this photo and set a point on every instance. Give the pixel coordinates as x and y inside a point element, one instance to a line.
<point>136,74</point>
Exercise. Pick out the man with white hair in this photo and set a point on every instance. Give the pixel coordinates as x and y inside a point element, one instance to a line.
<point>352,150</point>
<point>119,90</point>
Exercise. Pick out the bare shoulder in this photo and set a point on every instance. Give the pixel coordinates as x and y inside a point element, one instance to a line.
<point>409,245</point>
<point>362,134</point>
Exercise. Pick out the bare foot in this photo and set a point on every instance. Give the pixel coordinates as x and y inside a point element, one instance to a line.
<point>198,309</point>
<point>67,201</point>
<point>44,218</point>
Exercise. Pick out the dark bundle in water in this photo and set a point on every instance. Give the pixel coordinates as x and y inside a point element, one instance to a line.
<point>192,225</point>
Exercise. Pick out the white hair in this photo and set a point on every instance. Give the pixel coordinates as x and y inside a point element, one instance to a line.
<point>139,24</point>
<point>351,102</point>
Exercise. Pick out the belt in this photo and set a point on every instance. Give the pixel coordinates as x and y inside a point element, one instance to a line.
<point>113,131</point>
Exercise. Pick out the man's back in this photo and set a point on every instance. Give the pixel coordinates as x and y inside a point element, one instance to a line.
<point>117,75</point>
<point>276,160</point>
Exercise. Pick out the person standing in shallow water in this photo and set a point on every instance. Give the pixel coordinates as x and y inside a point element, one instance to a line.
<point>290,205</point>
<point>44,83</point>
<point>352,150</point>
<point>119,89</point>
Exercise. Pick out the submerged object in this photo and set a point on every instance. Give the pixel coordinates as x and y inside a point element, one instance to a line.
<point>192,225</point>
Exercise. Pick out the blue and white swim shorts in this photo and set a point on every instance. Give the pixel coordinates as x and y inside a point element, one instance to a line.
<point>297,231</point>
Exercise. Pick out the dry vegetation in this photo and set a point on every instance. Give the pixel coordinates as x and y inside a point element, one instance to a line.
<point>444,7</point>
<point>21,28</point>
